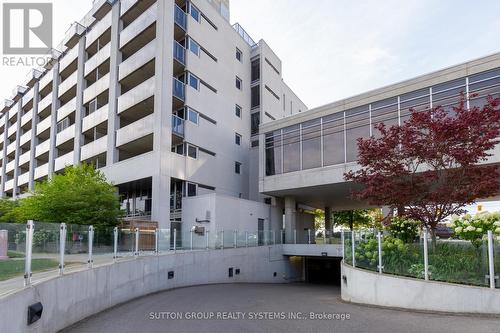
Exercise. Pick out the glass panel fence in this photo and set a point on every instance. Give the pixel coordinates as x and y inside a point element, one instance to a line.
<point>459,262</point>
<point>348,247</point>
<point>77,246</point>
<point>402,258</point>
<point>103,245</point>
<point>164,241</point>
<point>366,251</point>
<point>12,256</point>
<point>496,254</point>
<point>45,251</point>
<point>126,243</point>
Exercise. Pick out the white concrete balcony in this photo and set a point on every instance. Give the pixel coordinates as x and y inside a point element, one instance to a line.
<point>65,135</point>
<point>101,56</point>
<point>27,97</point>
<point>25,137</point>
<point>98,29</point>
<point>125,5</point>
<point>94,148</point>
<point>24,158</point>
<point>69,83</point>
<point>41,171</point>
<point>12,130</point>
<point>2,122</point>
<point>42,148</point>
<point>44,103</point>
<point>142,22</point>
<point>136,95</point>
<point>11,147</point>
<point>43,125</point>
<point>68,58</point>
<point>9,185</point>
<point>26,118</point>
<point>95,118</point>
<point>75,31</point>
<point>23,179</point>
<point>10,166</point>
<point>136,130</point>
<point>63,161</point>
<point>97,88</point>
<point>137,60</point>
<point>46,79</point>
<point>101,7</point>
<point>66,109</point>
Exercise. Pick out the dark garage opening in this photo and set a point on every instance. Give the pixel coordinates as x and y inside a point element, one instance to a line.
<point>322,270</point>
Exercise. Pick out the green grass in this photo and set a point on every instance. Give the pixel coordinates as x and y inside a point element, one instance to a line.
<point>13,268</point>
<point>14,254</point>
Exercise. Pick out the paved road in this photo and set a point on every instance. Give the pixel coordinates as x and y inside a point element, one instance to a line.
<point>254,300</point>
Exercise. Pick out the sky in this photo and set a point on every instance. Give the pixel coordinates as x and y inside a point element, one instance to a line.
<point>333,49</point>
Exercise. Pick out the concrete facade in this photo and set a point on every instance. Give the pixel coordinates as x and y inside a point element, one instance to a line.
<point>73,297</point>
<point>361,286</point>
<point>159,95</point>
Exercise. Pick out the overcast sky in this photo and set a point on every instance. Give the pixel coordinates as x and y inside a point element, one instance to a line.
<point>333,49</point>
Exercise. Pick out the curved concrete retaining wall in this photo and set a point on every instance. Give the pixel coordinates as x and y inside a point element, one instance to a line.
<point>361,286</point>
<point>73,297</point>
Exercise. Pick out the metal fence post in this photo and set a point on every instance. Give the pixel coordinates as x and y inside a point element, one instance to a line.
<point>324,236</point>
<point>342,240</point>
<point>157,237</point>
<point>273,236</point>
<point>191,239</point>
<point>353,249</point>
<point>294,236</point>
<point>207,238</point>
<point>222,238</point>
<point>491,262</point>
<point>308,236</point>
<point>136,251</point>
<point>115,243</point>
<point>235,238</point>
<point>426,256</point>
<point>246,238</point>
<point>175,240</point>
<point>90,261</point>
<point>62,247</point>
<point>379,239</point>
<point>30,226</point>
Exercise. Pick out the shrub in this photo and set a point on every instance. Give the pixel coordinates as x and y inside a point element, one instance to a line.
<point>474,228</point>
<point>404,229</point>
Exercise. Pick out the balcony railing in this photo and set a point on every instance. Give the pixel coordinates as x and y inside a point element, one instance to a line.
<point>180,17</point>
<point>177,126</point>
<point>179,53</point>
<point>179,90</point>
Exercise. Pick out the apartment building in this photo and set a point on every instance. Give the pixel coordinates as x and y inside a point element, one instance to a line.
<point>165,97</point>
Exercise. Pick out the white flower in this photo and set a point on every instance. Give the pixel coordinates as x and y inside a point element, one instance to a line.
<point>470,228</point>
<point>458,230</point>
<point>497,224</point>
<point>497,230</point>
<point>479,230</point>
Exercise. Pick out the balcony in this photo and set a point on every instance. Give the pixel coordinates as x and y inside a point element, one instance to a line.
<point>94,148</point>
<point>23,179</point>
<point>41,171</point>
<point>63,161</point>
<point>43,125</point>
<point>75,31</point>
<point>180,17</point>
<point>134,131</point>
<point>24,158</point>
<point>25,137</point>
<point>179,89</point>
<point>179,53</point>
<point>177,126</point>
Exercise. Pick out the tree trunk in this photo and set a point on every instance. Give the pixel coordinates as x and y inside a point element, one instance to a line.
<point>351,220</point>
<point>400,210</point>
<point>433,238</point>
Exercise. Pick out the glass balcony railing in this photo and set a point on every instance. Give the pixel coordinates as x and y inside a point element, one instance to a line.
<point>179,90</point>
<point>177,126</point>
<point>179,52</point>
<point>180,17</point>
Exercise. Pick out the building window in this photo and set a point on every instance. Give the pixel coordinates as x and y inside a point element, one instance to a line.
<point>255,143</point>
<point>239,84</point>
<point>195,12</point>
<point>237,139</point>
<point>178,149</point>
<point>237,167</point>
<point>255,70</point>
<point>255,122</point>
<point>191,190</point>
<point>237,111</point>
<point>194,47</point>
<point>62,125</point>
<point>255,97</point>
<point>194,81</point>
<point>239,55</point>
<point>192,151</point>
<point>193,116</point>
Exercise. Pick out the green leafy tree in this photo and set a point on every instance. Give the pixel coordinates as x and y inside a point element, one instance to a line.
<point>353,219</point>
<point>8,212</point>
<point>81,195</point>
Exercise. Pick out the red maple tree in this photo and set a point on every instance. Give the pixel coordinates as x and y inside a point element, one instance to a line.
<point>434,164</point>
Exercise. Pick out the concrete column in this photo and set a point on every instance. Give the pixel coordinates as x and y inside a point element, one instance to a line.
<point>79,112</point>
<point>53,118</point>
<point>17,154</point>
<point>162,134</point>
<point>290,219</point>
<point>34,138</point>
<point>114,87</point>
<point>4,152</point>
<point>328,218</point>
